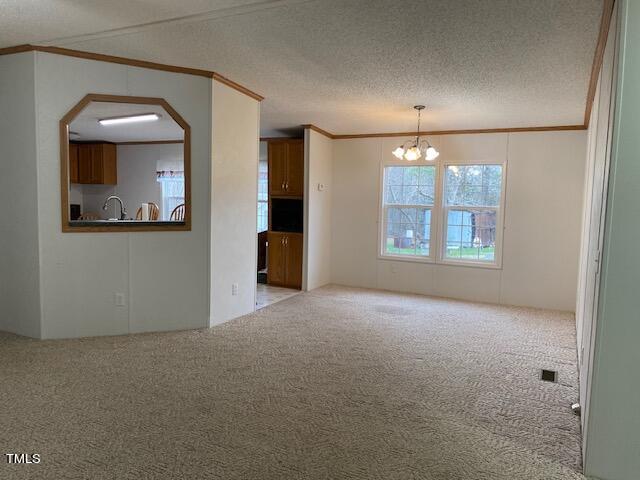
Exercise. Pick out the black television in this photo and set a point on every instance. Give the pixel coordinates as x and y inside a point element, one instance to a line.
<point>287,215</point>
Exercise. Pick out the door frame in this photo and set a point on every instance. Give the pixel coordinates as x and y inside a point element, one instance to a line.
<point>594,220</point>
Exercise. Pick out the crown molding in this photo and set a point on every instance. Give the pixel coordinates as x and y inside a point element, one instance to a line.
<point>605,23</point>
<point>319,130</point>
<point>598,57</point>
<point>131,62</point>
<point>553,128</point>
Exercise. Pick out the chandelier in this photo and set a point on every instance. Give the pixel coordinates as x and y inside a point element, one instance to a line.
<point>412,150</point>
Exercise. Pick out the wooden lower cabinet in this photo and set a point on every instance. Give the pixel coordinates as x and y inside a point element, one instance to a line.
<point>285,259</point>
<point>293,243</point>
<point>276,259</point>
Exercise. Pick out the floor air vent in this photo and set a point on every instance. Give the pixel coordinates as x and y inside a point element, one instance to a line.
<point>549,375</point>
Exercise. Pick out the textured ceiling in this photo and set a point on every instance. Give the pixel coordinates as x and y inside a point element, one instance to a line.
<point>86,125</point>
<point>33,21</point>
<point>357,66</point>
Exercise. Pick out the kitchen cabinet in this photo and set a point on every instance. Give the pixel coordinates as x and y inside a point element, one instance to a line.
<point>277,168</point>
<point>295,169</point>
<point>285,259</point>
<point>286,191</point>
<point>97,163</point>
<point>73,163</point>
<point>286,168</point>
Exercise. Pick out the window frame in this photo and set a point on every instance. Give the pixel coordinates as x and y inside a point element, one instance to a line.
<point>382,215</point>
<point>166,212</point>
<point>266,199</point>
<point>437,243</point>
<point>497,259</point>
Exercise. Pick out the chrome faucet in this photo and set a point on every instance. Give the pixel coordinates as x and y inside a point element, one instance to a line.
<point>123,211</point>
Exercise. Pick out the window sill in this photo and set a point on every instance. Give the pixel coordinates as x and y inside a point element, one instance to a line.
<point>406,258</point>
<point>429,260</point>
<point>455,263</point>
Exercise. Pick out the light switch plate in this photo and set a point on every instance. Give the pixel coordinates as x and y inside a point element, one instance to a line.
<point>120,300</point>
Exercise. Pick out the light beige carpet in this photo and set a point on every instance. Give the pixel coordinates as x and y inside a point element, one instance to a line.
<point>337,383</point>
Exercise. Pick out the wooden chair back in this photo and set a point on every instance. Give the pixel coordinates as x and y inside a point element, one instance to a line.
<point>89,216</point>
<point>154,212</point>
<point>178,214</point>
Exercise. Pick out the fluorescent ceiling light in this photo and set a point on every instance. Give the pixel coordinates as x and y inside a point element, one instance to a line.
<point>146,117</point>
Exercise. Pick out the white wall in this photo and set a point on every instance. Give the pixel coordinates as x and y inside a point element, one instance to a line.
<point>234,196</point>
<point>613,444</point>
<point>19,255</point>
<point>76,195</point>
<point>545,172</point>
<point>93,197</point>
<point>317,238</point>
<point>137,167</point>
<point>164,275</point>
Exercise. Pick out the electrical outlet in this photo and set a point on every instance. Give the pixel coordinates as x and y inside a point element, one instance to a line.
<point>234,289</point>
<point>394,268</point>
<point>120,300</point>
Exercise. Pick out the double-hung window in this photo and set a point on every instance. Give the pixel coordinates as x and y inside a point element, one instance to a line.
<point>408,202</point>
<point>172,192</point>
<point>472,199</point>
<point>442,213</point>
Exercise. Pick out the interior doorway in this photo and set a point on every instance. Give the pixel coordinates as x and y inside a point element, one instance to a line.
<point>270,287</point>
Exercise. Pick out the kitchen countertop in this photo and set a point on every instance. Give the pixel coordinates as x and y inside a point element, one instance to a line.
<point>120,223</point>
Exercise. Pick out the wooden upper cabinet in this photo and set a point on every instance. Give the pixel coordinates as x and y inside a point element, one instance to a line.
<point>277,168</point>
<point>295,169</point>
<point>286,168</point>
<point>97,163</point>
<point>84,163</point>
<point>108,173</point>
<point>73,163</point>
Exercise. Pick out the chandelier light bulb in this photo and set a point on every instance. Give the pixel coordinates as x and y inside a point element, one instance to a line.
<point>413,154</point>
<point>398,152</point>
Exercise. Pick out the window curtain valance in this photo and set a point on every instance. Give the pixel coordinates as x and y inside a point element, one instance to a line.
<point>169,174</point>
